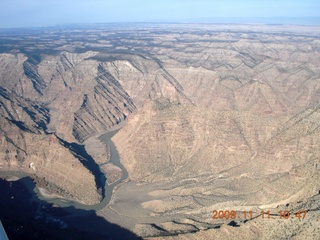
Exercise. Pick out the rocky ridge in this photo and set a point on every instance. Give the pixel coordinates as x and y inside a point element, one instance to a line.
<point>27,147</point>
<point>218,117</point>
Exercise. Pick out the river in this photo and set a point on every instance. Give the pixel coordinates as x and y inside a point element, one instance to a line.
<point>114,158</point>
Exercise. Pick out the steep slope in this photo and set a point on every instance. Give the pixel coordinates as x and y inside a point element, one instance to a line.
<point>26,147</point>
<point>190,161</point>
<point>108,106</point>
<point>217,117</point>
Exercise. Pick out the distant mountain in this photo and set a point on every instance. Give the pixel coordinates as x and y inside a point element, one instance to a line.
<point>212,117</point>
<point>258,20</point>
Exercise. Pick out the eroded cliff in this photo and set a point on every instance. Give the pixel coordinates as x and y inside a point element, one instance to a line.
<point>217,117</point>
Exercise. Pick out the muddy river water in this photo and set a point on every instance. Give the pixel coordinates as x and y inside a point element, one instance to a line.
<point>114,158</point>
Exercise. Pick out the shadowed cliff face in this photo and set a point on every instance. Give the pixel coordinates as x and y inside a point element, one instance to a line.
<point>19,116</point>
<point>30,68</point>
<point>27,147</point>
<point>24,216</point>
<point>217,117</point>
<point>106,107</point>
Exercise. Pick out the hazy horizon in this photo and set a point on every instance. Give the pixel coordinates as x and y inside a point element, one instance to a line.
<point>37,13</point>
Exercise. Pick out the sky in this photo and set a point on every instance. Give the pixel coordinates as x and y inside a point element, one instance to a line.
<point>33,13</point>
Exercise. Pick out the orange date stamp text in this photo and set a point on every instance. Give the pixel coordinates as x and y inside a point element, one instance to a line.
<point>248,215</point>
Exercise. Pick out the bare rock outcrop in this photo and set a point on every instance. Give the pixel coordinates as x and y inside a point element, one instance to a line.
<point>26,147</point>
<point>217,117</point>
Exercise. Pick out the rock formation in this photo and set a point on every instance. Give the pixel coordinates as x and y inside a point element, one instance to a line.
<point>216,117</point>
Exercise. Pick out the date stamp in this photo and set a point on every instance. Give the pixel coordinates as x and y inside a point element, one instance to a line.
<point>248,215</point>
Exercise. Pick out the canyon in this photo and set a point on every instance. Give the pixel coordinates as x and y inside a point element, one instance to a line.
<point>208,117</point>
